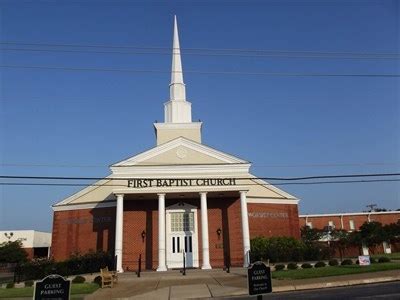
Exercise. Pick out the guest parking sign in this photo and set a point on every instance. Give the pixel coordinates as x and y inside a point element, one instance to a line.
<point>52,287</point>
<point>259,279</point>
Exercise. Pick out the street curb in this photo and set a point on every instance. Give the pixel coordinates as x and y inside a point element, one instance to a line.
<point>310,286</point>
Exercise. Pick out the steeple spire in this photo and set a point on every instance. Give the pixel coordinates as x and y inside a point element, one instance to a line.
<point>177,109</point>
<point>177,87</point>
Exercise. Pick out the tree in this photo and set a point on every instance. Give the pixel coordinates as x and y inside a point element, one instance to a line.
<point>372,234</point>
<point>392,232</point>
<point>310,235</point>
<point>12,252</point>
<point>340,240</point>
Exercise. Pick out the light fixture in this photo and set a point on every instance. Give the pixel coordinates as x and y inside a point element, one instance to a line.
<point>143,235</point>
<point>9,235</point>
<point>219,233</point>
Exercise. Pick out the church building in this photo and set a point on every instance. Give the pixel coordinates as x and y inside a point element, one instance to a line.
<point>179,199</point>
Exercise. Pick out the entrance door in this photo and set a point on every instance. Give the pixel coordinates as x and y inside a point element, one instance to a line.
<point>182,236</point>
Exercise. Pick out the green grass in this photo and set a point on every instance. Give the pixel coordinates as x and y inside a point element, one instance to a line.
<point>78,288</point>
<point>334,271</point>
<point>395,255</point>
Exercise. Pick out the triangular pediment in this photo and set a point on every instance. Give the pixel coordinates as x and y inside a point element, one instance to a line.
<point>181,206</point>
<point>181,151</point>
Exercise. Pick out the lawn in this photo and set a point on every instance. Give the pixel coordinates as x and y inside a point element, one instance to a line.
<point>395,255</point>
<point>334,271</point>
<point>76,288</point>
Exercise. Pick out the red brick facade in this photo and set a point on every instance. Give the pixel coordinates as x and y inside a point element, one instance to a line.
<point>94,229</point>
<point>273,220</point>
<point>82,230</point>
<point>320,221</point>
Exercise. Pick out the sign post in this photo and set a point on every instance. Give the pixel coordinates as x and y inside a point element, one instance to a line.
<point>259,279</point>
<point>52,287</point>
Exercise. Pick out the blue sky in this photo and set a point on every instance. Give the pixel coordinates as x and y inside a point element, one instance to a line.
<point>76,123</point>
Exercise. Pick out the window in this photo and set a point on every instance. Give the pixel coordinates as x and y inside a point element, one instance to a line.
<point>309,225</point>
<point>352,226</point>
<point>182,221</point>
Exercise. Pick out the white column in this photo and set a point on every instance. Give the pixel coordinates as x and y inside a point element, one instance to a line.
<point>204,232</point>
<point>245,229</point>
<point>161,233</point>
<point>119,221</point>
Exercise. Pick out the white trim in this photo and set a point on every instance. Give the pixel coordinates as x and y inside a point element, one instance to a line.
<point>98,184</point>
<point>272,201</point>
<point>271,187</point>
<point>180,141</point>
<point>192,125</point>
<point>207,169</point>
<point>193,189</point>
<point>84,206</point>
<point>351,214</point>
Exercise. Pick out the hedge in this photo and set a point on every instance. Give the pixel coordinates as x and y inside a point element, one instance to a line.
<point>383,259</point>
<point>79,279</point>
<point>347,262</point>
<point>306,266</point>
<point>333,262</point>
<point>320,264</point>
<point>292,266</point>
<point>279,267</point>
<point>283,249</point>
<point>77,264</point>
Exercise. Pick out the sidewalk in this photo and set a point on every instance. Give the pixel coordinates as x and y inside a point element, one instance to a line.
<point>217,283</point>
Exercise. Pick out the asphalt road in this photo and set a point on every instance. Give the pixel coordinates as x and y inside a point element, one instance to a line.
<point>388,290</point>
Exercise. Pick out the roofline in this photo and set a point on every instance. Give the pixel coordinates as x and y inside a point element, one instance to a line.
<point>351,214</point>
<point>19,230</point>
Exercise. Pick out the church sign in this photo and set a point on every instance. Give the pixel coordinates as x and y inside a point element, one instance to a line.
<point>259,279</point>
<point>52,287</point>
<point>149,183</point>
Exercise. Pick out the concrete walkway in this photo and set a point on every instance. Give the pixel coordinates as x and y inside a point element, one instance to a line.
<point>218,284</point>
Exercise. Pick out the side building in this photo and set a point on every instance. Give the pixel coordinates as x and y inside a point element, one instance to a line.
<point>352,222</point>
<point>179,198</point>
<point>36,243</point>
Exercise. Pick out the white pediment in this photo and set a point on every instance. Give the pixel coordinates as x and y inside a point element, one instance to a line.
<point>180,151</point>
<point>181,206</point>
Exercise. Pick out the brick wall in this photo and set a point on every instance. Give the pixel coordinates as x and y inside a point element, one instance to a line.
<point>94,229</point>
<point>273,220</point>
<point>321,221</point>
<point>82,230</point>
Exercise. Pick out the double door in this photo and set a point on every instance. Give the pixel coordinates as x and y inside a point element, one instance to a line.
<point>181,239</point>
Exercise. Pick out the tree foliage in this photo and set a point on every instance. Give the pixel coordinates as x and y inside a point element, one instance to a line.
<point>12,252</point>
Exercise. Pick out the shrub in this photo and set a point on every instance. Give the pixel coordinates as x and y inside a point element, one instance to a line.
<point>306,266</point>
<point>97,280</point>
<point>292,266</point>
<point>347,262</point>
<point>277,249</point>
<point>78,279</point>
<point>333,262</point>
<point>12,252</point>
<point>320,264</point>
<point>28,283</point>
<point>10,285</point>
<point>77,264</point>
<point>372,260</point>
<point>279,267</point>
<point>383,259</point>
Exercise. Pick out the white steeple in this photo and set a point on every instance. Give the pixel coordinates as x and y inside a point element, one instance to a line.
<point>177,109</point>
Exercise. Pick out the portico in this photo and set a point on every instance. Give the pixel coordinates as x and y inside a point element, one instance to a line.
<point>164,223</point>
